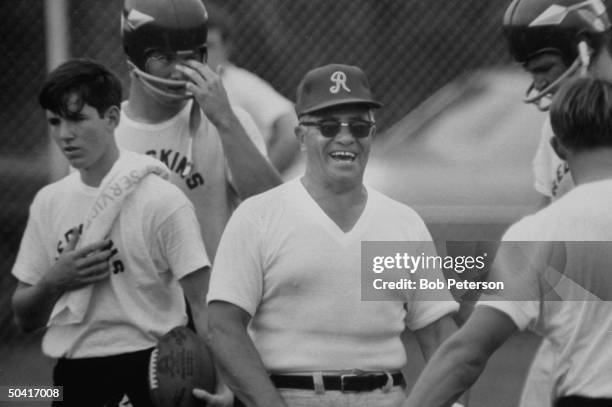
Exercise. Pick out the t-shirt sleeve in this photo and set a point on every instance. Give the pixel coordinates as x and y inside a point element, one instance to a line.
<point>518,264</point>
<point>171,218</point>
<point>427,306</point>
<point>32,259</point>
<point>180,242</point>
<point>237,275</point>
<point>522,314</point>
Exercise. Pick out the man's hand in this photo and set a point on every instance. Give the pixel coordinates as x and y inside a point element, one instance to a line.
<point>208,91</point>
<point>72,270</point>
<point>251,173</point>
<point>77,268</point>
<point>223,398</point>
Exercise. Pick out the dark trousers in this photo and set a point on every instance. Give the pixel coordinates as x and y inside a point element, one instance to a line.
<point>103,381</point>
<point>579,401</point>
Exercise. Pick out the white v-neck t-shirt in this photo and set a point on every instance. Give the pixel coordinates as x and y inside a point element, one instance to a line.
<point>287,264</point>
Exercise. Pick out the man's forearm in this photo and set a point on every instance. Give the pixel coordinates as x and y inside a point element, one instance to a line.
<point>448,374</point>
<point>242,367</point>
<point>199,314</point>
<point>251,171</point>
<point>195,287</point>
<point>32,305</point>
<point>431,338</point>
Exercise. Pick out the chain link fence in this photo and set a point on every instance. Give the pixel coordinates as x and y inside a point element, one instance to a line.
<point>408,48</point>
<point>22,128</point>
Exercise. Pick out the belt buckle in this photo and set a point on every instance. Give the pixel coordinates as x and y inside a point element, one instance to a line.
<point>345,376</point>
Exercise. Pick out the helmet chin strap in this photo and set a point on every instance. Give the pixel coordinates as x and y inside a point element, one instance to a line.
<point>542,98</point>
<point>195,115</point>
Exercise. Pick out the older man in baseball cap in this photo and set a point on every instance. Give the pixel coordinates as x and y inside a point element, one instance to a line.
<point>287,322</point>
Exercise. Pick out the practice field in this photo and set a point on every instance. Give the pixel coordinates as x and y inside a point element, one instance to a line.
<point>499,385</point>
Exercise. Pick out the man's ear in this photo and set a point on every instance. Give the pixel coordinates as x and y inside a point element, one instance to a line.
<point>558,147</point>
<point>112,116</point>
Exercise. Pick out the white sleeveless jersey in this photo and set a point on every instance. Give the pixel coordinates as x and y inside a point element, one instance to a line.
<point>208,185</point>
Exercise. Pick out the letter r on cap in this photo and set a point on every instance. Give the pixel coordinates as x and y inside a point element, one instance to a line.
<point>339,79</point>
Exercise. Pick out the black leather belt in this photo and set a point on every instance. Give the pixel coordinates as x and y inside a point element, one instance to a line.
<point>580,401</point>
<point>346,383</point>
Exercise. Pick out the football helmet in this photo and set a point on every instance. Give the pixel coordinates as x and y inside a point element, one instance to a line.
<point>573,29</point>
<point>167,26</point>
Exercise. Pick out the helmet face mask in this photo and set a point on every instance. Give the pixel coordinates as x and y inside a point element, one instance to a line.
<point>160,69</point>
<point>169,29</point>
<point>573,29</point>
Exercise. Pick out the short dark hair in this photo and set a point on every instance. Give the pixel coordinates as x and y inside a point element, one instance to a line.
<point>95,85</point>
<point>581,114</point>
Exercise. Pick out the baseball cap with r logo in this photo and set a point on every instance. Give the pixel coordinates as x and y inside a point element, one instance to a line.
<point>333,85</point>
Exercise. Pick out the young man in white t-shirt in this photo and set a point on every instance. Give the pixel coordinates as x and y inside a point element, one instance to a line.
<point>563,291</point>
<point>178,112</point>
<point>109,253</point>
<point>287,321</point>
<point>550,50</point>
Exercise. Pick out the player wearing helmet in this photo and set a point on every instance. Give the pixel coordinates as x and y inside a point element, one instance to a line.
<point>575,31</point>
<point>554,39</point>
<point>178,112</point>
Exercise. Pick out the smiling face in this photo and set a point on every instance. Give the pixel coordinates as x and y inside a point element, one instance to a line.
<point>85,138</point>
<point>337,161</point>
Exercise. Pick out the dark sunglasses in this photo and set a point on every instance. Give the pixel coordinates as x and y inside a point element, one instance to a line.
<point>330,128</point>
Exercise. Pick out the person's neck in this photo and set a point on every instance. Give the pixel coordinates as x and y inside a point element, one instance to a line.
<point>94,175</point>
<point>145,108</point>
<point>591,165</point>
<point>341,193</point>
<point>343,203</point>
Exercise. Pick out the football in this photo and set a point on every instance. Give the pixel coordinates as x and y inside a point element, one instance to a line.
<point>180,361</point>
